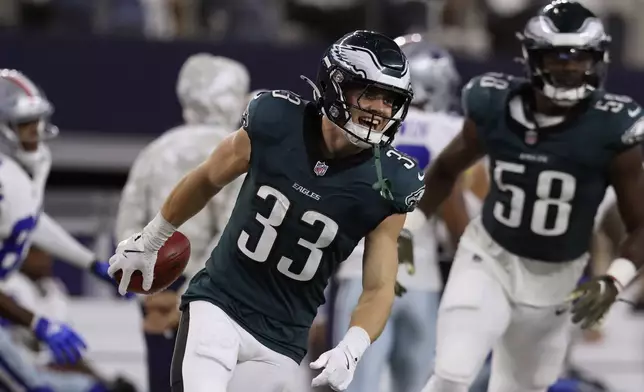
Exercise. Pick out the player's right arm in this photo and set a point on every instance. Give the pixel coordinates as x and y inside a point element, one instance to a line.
<point>453,211</point>
<point>462,152</point>
<point>229,160</point>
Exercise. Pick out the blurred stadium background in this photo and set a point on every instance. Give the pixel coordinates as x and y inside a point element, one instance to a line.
<point>110,68</point>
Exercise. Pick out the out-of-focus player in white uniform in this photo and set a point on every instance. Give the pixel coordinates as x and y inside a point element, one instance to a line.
<point>213,92</point>
<point>407,343</point>
<point>35,288</point>
<point>24,124</point>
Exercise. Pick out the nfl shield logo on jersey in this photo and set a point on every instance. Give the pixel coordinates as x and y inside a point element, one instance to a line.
<point>320,168</point>
<point>531,137</point>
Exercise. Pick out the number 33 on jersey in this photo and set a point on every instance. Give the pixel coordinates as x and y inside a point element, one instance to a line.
<point>547,184</point>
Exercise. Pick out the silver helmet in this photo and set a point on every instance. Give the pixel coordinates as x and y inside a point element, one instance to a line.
<point>434,77</point>
<point>22,102</point>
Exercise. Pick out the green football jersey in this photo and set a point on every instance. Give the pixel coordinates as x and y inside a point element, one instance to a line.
<point>297,217</point>
<point>546,184</point>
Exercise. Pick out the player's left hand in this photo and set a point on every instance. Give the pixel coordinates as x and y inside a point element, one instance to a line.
<point>592,299</point>
<point>406,251</point>
<point>399,289</point>
<point>338,365</point>
<point>134,254</point>
<point>405,257</point>
<point>99,269</point>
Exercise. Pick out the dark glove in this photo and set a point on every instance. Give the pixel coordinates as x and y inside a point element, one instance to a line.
<point>592,299</point>
<point>405,257</point>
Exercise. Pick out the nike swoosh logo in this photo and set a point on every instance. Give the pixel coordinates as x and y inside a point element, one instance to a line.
<point>635,112</point>
<point>560,311</point>
<point>421,177</point>
<point>132,251</point>
<point>347,358</point>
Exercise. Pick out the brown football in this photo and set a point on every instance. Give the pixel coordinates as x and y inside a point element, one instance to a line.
<point>172,259</point>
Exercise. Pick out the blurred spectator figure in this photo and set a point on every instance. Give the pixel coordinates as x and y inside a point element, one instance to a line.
<point>400,17</point>
<point>35,14</point>
<point>8,13</point>
<point>504,19</point>
<point>329,19</point>
<point>241,20</point>
<point>120,17</point>
<point>72,16</point>
<point>159,18</point>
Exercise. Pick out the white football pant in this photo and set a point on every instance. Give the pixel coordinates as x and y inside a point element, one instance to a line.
<point>495,300</point>
<point>214,354</point>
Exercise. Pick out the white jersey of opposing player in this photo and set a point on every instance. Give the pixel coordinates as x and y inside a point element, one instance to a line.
<point>20,207</point>
<point>423,136</point>
<point>156,171</point>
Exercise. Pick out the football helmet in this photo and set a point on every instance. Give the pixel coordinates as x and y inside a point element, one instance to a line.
<point>21,101</point>
<point>368,61</point>
<point>565,52</point>
<point>434,78</point>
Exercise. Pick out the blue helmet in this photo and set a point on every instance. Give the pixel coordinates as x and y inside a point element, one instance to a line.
<point>434,77</point>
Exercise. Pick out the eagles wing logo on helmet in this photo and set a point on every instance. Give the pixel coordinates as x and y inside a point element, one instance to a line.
<point>415,196</point>
<point>349,57</point>
<point>360,60</point>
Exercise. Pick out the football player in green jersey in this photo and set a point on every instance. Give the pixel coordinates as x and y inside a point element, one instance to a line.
<point>321,176</point>
<point>555,140</point>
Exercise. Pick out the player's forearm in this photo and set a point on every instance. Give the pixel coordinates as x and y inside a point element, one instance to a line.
<point>188,197</point>
<point>10,310</point>
<point>368,320</point>
<point>372,311</point>
<point>454,213</point>
<point>439,183</point>
<point>633,247</point>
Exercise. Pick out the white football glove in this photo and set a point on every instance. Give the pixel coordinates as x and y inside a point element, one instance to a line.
<point>340,363</point>
<point>131,255</point>
<point>139,253</point>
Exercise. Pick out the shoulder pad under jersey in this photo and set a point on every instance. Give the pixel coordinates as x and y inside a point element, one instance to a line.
<point>267,110</point>
<point>622,120</point>
<point>484,97</point>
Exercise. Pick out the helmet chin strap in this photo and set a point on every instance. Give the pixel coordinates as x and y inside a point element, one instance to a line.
<point>383,184</point>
